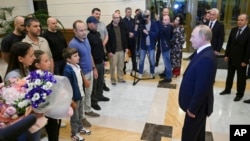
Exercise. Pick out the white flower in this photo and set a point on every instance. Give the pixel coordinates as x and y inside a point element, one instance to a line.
<point>44,95</point>
<point>47,86</point>
<point>38,82</point>
<point>23,104</point>
<point>35,97</point>
<point>40,72</point>
<point>30,85</point>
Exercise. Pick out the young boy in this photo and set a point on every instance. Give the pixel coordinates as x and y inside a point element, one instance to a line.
<point>73,72</point>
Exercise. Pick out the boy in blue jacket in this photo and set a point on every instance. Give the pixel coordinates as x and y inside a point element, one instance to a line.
<point>73,72</point>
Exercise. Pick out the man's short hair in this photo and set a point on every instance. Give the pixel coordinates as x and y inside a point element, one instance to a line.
<point>75,22</point>
<point>68,52</point>
<point>29,20</point>
<point>96,9</point>
<point>128,8</point>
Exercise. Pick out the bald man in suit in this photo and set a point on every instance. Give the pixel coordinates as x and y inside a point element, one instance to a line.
<point>237,56</point>
<point>196,90</point>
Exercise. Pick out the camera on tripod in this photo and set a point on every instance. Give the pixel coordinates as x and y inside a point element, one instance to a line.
<point>140,19</point>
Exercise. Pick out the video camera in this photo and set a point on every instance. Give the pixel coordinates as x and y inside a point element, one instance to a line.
<point>140,19</point>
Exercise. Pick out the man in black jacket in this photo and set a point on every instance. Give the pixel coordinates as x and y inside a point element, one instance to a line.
<point>130,25</point>
<point>116,46</point>
<point>237,56</point>
<point>217,30</point>
<point>98,55</point>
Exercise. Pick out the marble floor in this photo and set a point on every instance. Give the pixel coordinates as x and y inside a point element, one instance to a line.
<point>147,112</point>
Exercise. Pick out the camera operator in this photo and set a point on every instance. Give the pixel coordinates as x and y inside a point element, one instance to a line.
<point>146,32</point>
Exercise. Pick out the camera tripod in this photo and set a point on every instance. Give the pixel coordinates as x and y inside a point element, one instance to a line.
<point>137,53</point>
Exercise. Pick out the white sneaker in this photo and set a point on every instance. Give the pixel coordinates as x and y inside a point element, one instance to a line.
<point>63,124</point>
<point>77,137</point>
<point>140,76</point>
<point>152,76</point>
<point>85,131</point>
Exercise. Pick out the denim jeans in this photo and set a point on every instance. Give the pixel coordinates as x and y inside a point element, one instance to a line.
<point>151,56</point>
<point>167,64</point>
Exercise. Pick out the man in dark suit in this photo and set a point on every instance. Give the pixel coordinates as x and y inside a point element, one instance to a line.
<point>217,30</point>
<point>196,90</point>
<point>237,55</point>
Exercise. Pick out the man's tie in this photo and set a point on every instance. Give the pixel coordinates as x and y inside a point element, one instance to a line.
<point>238,33</point>
<point>211,25</point>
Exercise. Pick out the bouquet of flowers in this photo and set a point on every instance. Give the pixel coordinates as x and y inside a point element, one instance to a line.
<point>38,86</point>
<point>17,95</point>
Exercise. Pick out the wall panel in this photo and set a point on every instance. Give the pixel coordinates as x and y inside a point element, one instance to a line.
<point>69,11</point>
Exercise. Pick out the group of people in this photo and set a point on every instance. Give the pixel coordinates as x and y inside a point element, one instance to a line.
<point>237,50</point>
<point>196,90</point>
<point>82,61</point>
<point>145,35</point>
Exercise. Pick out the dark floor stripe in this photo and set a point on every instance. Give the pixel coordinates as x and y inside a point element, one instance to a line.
<point>153,132</point>
<point>166,85</point>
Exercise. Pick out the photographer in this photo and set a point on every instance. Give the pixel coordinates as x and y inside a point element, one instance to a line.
<point>146,32</point>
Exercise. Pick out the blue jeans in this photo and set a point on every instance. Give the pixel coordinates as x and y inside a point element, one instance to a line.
<point>167,64</point>
<point>151,57</point>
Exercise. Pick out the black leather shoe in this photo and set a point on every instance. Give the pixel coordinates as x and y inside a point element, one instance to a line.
<point>247,101</point>
<point>165,81</point>
<point>122,81</point>
<point>162,75</point>
<point>105,88</point>
<point>224,92</point>
<point>96,107</point>
<point>103,99</point>
<point>237,98</point>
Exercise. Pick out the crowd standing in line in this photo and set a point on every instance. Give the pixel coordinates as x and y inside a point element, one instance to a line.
<point>83,60</point>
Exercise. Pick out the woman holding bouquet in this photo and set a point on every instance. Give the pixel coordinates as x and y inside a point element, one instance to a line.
<point>42,62</point>
<point>22,56</point>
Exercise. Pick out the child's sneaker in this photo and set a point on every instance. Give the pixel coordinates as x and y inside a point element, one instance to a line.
<point>77,137</point>
<point>85,131</point>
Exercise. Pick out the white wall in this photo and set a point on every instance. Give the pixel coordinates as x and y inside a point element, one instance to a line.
<point>67,11</point>
<point>22,7</point>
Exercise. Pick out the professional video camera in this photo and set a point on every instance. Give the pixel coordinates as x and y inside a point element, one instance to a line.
<point>140,19</point>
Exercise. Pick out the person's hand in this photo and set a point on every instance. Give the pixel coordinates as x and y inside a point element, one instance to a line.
<point>110,55</point>
<point>95,73</point>
<point>157,17</point>
<point>131,34</point>
<point>73,105</point>
<point>190,114</point>
<point>243,64</point>
<point>216,52</point>
<point>145,31</point>
<point>226,59</point>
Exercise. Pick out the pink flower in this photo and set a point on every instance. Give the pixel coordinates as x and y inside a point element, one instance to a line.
<point>10,111</point>
<point>2,125</point>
